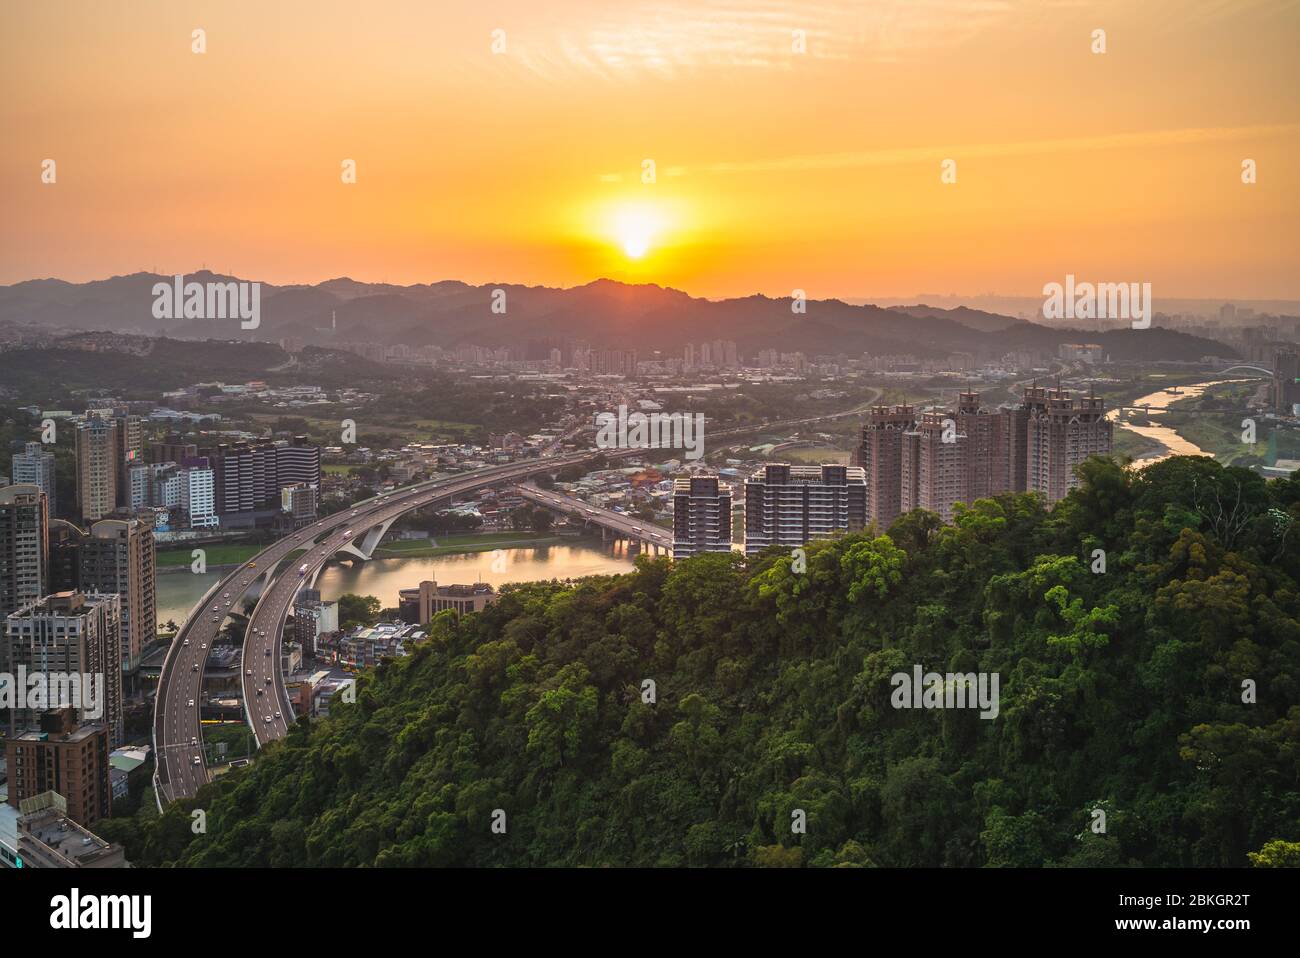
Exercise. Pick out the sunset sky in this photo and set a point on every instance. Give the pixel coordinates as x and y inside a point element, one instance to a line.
<point>774,170</point>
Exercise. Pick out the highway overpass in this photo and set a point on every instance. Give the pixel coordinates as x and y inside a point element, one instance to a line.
<point>628,527</point>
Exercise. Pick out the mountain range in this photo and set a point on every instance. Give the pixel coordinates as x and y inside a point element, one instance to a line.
<point>603,313</point>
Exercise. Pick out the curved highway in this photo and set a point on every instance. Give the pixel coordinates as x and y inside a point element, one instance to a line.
<point>180,770</point>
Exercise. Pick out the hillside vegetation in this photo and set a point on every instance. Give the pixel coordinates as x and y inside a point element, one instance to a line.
<point>1121,692</point>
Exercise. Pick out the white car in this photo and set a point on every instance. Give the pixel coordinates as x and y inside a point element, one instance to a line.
<point>277,714</point>
<point>197,760</point>
<point>267,720</point>
<point>259,693</point>
<point>190,705</point>
<point>193,740</point>
<point>204,645</point>
<point>268,680</point>
<point>186,643</point>
<point>195,668</point>
<point>226,596</point>
<point>248,671</point>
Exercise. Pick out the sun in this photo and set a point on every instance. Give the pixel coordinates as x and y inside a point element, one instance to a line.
<point>636,227</point>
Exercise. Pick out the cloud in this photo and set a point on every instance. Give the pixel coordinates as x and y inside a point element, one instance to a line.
<point>1116,141</point>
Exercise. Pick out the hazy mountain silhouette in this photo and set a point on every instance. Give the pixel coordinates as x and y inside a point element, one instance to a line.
<point>602,313</point>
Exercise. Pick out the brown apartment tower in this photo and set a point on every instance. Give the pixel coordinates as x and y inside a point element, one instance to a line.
<point>881,459</point>
<point>935,465</point>
<point>1061,436</point>
<point>63,756</point>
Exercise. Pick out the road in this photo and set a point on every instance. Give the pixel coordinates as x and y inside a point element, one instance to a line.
<point>632,527</point>
<point>180,770</point>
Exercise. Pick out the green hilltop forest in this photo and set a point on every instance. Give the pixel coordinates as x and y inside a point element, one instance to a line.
<point>1164,692</point>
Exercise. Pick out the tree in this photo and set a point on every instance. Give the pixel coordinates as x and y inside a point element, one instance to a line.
<point>357,610</point>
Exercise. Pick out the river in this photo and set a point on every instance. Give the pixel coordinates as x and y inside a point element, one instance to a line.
<point>1159,401</point>
<point>382,578</point>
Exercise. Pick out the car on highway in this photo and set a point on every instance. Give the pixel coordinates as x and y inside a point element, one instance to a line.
<point>348,534</point>
<point>268,680</point>
<point>248,671</point>
<point>226,596</point>
<point>636,528</point>
<point>197,760</point>
<point>194,740</point>
<point>267,720</point>
<point>195,668</point>
<point>204,645</point>
<point>186,643</point>
<point>190,704</point>
<point>355,511</point>
<point>268,651</point>
<point>277,714</point>
<point>259,693</point>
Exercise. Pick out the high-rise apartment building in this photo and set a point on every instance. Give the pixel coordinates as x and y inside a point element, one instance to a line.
<point>790,505</point>
<point>935,466</point>
<point>97,470</point>
<point>118,556</point>
<point>24,547</point>
<point>987,466</point>
<point>880,456</point>
<point>130,452</point>
<point>1062,436</point>
<point>66,756</point>
<point>198,497</point>
<point>35,466</point>
<point>701,516</point>
<point>72,633</point>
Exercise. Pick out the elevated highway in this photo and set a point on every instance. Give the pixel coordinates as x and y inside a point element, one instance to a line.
<point>177,733</point>
<point>629,527</point>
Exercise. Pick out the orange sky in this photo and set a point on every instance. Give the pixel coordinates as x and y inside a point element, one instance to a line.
<point>775,170</point>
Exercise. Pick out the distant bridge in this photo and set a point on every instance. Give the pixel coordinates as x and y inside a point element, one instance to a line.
<point>634,528</point>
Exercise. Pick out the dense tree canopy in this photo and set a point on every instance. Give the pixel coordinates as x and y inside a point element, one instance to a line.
<point>687,713</point>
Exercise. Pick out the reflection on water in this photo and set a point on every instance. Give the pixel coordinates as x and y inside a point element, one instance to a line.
<point>1175,445</point>
<point>382,578</point>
